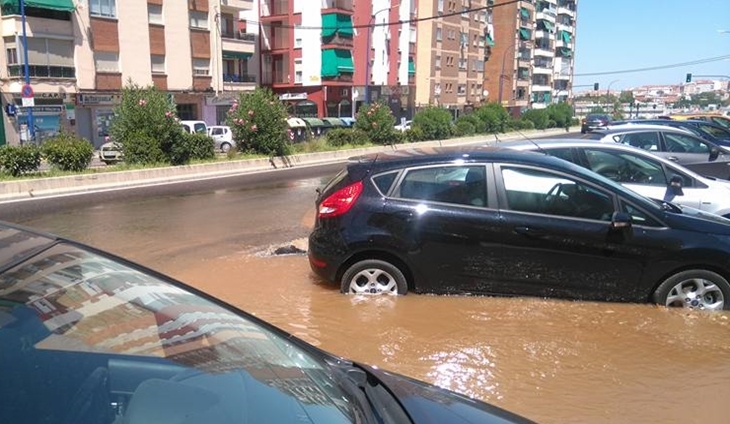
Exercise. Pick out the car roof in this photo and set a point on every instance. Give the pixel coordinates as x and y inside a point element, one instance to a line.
<point>632,127</point>
<point>526,145</point>
<point>383,161</point>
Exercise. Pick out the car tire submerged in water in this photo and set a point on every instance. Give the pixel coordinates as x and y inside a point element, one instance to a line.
<point>694,289</point>
<point>373,276</point>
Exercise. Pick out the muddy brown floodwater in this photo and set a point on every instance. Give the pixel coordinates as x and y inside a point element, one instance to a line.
<point>551,361</point>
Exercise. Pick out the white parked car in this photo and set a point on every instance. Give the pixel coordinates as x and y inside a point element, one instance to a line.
<point>638,170</point>
<point>223,137</point>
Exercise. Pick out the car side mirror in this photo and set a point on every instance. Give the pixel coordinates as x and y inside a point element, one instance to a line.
<point>621,221</point>
<point>714,154</point>
<point>674,188</point>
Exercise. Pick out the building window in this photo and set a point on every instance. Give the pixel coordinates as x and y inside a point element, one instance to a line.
<point>440,6</point>
<point>158,63</point>
<point>106,8</point>
<point>461,89</point>
<point>413,36</point>
<point>297,77</point>
<point>11,55</point>
<point>154,14</point>
<point>201,67</point>
<point>106,61</point>
<point>198,20</point>
<point>437,63</point>
<point>227,24</point>
<point>438,34</point>
<point>297,37</point>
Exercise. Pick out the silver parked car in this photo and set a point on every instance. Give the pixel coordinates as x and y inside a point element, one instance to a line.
<point>640,171</point>
<point>674,144</point>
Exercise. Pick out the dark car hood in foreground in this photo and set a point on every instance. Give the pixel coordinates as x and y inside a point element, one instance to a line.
<point>430,404</point>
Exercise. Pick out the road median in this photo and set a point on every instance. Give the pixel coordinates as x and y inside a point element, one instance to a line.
<point>82,183</point>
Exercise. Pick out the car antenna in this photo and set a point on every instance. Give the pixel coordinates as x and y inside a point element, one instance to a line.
<point>539,148</point>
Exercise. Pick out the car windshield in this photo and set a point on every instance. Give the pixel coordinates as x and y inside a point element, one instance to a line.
<point>69,315</point>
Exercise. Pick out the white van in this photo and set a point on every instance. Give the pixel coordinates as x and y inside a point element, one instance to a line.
<point>195,127</point>
<point>222,136</point>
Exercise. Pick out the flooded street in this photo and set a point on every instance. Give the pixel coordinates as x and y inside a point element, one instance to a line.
<point>551,361</point>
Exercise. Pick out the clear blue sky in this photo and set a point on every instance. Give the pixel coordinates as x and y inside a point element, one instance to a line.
<point>617,35</point>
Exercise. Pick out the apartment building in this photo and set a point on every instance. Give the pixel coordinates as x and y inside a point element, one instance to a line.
<point>316,54</point>
<point>532,61</point>
<point>451,52</point>
<point>81,53</point>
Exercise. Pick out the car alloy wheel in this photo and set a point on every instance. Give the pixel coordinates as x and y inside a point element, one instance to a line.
<point>694,289</point>
<point>225,147</point>
<point>373,277</point>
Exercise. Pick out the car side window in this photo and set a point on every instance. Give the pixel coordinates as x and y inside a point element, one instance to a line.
<point>638,217</point>
<point>680,143</point>
<point>564,153</point>
<point>538,191</point>
<point>384,181</point>
<point>625,167</point>
<point>199,128</point>
<point>643,140</point>
<point>464,185</point>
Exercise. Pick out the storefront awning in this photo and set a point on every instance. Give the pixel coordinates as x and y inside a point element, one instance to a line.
<point>490,41</point>
<point>337,23</point>
<point>336,62</point>
<point>525,34</point>
<point>525,13</point>
<point>236,55</point>
<point>335,122</point>
<point>565,52</point>
<point>548,25</point>
<point>62,5</point>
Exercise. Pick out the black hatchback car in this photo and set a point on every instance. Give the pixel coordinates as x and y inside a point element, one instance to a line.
<point>89,338</point>
<point>494,221</point>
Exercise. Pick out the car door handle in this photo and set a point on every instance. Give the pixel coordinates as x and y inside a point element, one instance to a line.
<point>530,231</point>
<point>673,158</point>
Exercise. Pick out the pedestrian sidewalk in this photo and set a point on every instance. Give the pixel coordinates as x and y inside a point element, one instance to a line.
<point>83,183</point>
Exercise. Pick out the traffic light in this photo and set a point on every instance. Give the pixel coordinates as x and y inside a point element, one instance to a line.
<point>689,78</point>
<point>595,87</point>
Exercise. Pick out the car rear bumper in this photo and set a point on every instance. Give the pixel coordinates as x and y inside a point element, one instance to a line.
<point>323,258</point>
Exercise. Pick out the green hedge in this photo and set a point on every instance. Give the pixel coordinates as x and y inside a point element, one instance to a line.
<point>68,152</point>
<point>19,160</point>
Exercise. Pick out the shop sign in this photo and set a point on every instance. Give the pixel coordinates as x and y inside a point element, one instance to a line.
<point>220,100</point>
<point>98,99</point>
<point>293,96</point>
<point>40,109</point>
<point>38,95</point>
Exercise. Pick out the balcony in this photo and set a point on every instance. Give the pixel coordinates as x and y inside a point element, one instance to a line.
<point>545,51</point>
<point>276,38</point>
<point>270,8</point>
<point>38,27</point>
<point>237,4</point>
<point>337,6</point>
<point>542,68</point>
<point>43,71</point>
<point>239,78</point>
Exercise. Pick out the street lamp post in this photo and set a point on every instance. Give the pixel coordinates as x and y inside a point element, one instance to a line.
<point>502,76</point>
<point>26,69</point>
<point>367,53</point>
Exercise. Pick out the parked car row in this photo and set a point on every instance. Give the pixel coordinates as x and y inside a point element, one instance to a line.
<point>506,221</point>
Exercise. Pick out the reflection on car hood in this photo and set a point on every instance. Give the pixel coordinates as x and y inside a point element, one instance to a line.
<point>430,404</point>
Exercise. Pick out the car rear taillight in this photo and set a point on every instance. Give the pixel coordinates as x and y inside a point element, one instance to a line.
<point>340,201</point>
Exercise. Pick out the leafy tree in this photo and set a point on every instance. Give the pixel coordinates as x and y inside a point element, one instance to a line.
<point>145,125</point>
<point>561,113</point>
<point>377,121</point>
<point>598,109</point>
<point>435,122</point>
<point>258,122</point>
<point>626,97</point>
<point>539,118</point>
<point>493,116</point>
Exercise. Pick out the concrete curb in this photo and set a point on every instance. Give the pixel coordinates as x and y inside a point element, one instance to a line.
<point>73,184</point>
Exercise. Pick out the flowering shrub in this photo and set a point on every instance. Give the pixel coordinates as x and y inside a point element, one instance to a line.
<point>258,122</point>
<point>435,122</point>
<point>146,127</point>
<point>377,122</point>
